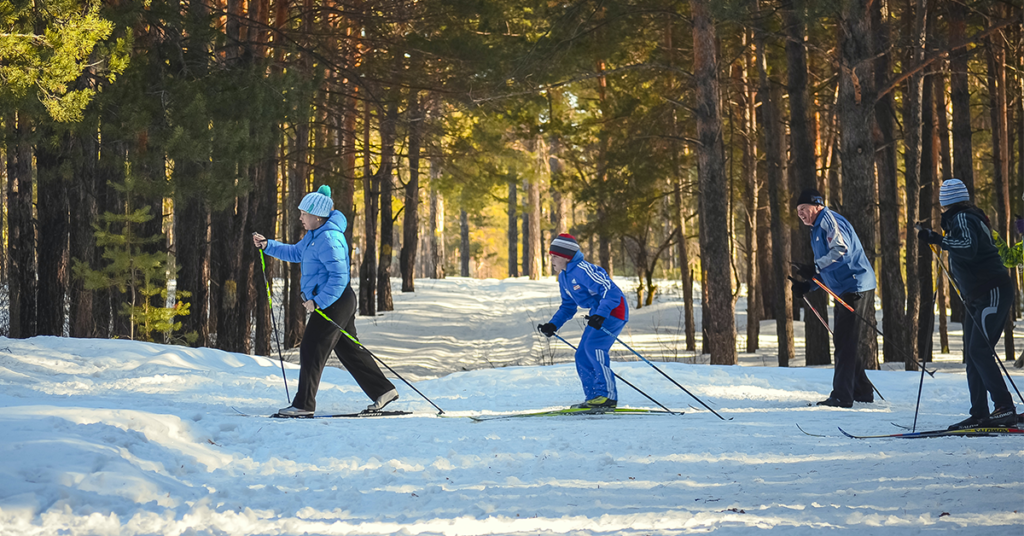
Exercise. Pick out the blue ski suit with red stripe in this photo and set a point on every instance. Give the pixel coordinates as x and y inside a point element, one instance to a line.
<point>585,285</point>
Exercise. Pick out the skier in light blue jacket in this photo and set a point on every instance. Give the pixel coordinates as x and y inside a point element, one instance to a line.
<point>323,254</point>
<point>582,284</point>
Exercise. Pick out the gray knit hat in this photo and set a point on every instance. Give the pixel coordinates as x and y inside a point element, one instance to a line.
<point>564,245</point>
<point>953,191</point>
<point>318,203</point>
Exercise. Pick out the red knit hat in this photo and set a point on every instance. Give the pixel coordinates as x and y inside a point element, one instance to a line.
<point>564,245</point>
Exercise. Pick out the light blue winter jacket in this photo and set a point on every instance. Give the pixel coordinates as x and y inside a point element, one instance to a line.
<point>585,285</point>
<point>839,255</point>
<point>323,253</point>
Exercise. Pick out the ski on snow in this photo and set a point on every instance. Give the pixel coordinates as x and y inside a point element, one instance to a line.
<point>987,431</point>
<point>575,412</point>
<point>360,415</point>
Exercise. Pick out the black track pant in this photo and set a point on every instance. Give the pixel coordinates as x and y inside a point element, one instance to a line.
<point>850,382</point>
<point>320,338</point>
<point>984,320</point>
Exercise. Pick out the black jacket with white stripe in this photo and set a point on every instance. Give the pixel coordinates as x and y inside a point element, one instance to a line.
<point>973,256</point>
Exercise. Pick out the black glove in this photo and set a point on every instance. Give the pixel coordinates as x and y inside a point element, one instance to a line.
<point>929,236</point>
<point>800,287</point>
<point>548,329</point>
<point>595,321</point>
<point>806,271</point>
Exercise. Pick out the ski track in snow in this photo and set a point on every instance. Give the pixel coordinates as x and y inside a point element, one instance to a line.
<point>119,437</point>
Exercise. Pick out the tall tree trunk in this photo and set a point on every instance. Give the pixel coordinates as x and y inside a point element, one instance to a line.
<point>411,217</point>
<point>513,230</point>
<point>803,172</point>
<point>532,261</point>
<point>960,96</point>
<point>437,252</point>
<point>371,198</point>
<point>856,112</point>
<point>54,233</point>
<point>942,122</point>
<point>929,165</point>
<point>679,215</point>
<point>463,243</point>
<point>298,172</point>
<point>720,323</point>
<point>747,106</point>
<point>192,254</point>
<point>21,234</point>
<point>82,321</point>
<point>996,56</point>
<point>527,239</point>
<point>778,199</point>
<point>893,291</point>
<point>912,113</point>
<point>264,200</point>
<point>387,222</point>
<point>233,262</point>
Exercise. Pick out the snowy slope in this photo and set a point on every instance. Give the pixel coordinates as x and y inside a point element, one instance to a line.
<point>119,437</point>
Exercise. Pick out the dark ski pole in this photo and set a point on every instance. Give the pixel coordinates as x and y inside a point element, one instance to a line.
<point>273,323</point>
<point>665,375</point>
<point>623,380</point>
<point>977,325</point>
<point>865,320</point>
<point>822,320</point>
<point>379,360</point>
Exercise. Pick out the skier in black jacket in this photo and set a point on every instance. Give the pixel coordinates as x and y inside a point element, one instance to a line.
<point>987,292</point>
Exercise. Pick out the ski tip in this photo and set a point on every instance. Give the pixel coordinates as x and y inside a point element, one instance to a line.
<point>847,434</point>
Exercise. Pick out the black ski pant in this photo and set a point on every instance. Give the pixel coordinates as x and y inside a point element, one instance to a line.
<point>320,338</point>
<point>984,319</point>
<point>849,382</point>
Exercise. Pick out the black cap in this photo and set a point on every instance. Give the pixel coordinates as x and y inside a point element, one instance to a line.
<point>809,196</point>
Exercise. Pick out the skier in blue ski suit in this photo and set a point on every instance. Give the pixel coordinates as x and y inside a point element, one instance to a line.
<point>582,284</point>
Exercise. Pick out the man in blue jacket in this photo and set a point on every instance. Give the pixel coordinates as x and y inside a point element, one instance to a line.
<point>582,284</point>
<point>841,265</point>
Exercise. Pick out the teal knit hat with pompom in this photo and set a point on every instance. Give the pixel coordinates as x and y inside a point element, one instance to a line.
<point>318,203</point>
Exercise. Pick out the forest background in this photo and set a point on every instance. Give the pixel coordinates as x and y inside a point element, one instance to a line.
<point>144,141</point>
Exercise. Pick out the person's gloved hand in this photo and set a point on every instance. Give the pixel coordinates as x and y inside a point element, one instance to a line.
<point>800,287</point>
<point>806,271</point>
<point>595,321</point>
<point>929,236</point>
<point>548,329</point>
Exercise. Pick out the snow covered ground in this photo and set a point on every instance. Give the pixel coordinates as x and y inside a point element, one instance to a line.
<point>119,437</point>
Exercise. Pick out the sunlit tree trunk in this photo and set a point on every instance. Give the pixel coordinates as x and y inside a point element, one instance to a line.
<point>996,55</point>
<point>890,278</point>
<point>720,322</point>
<point>387,223</point>
<point>778,198</point>
<point>411,213</point>
<point>371,197</point>
<point>856,113</point>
